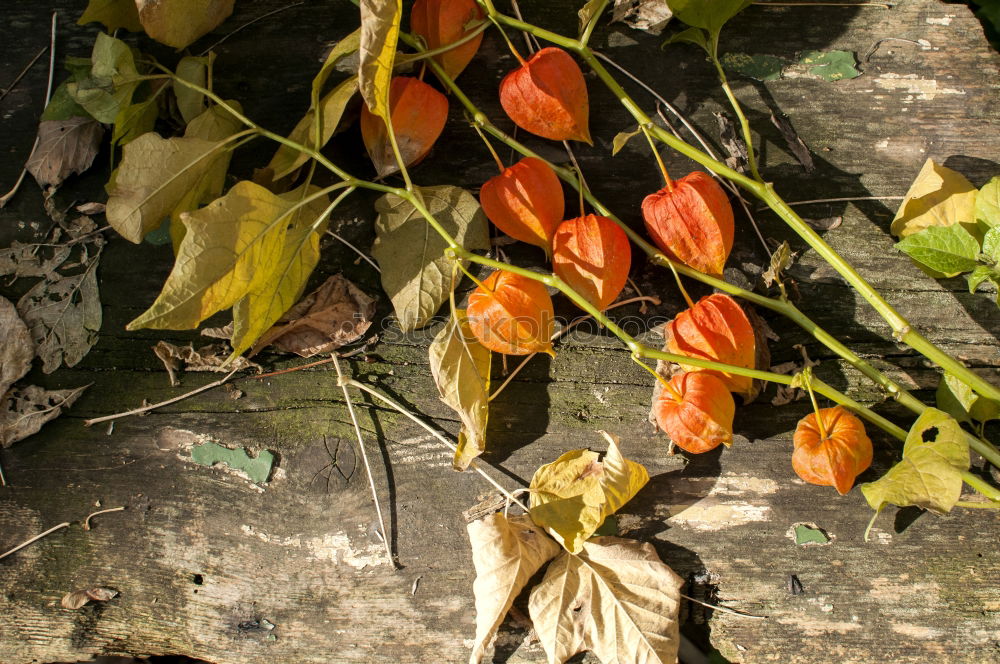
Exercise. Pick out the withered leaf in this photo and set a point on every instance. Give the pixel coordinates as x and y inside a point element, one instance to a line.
<point>650,16</point>
<point>615,598</point>
<point>178,23</point>
<point>31,260</point>
<point>64,147</point>
<point>379,34</point>
<point>938,196</point>
<point>193,69</point>
<point>793,141</point>
<point>26,409</point>
<point>207,358</point>
<point>78,598</point>
<point>113,14</point>
<point>17,351</point>
<point>506,553</point>
<point>333,315</point>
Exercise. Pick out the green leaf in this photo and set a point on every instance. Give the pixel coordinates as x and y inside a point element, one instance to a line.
<point>988,203</point>
<point>806,533</point>
<point>991,244</point>
<point>461,369</point>
<point>415,272</point>
<point>621,139</point>
<point>935,455</point>
<point>134,120</point>
<point>938,196</point>
<point>708,14</point>
<point>831,65</point>
<point>257,470</point>
<point>113,14</point>
<point>695,36</point>
<point>379,34</point>
<point>961,402</point>
<point>62,106</point>
<point>238,247</point>
<point>758,67</point>
<point>112,79</point>
<point>178,23</point>
<point>945,249</point>
<point>586,13</point>
<point>192,69</point>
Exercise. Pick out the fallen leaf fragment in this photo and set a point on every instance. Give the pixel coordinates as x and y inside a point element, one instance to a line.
<point>79,598</point>
<point>26,409</point>
<point>17,351</point>
<point>506,553</point>
<point>615,598</point>
<point>207,358</point>
<point>64,147</point>
<point>333,315</point>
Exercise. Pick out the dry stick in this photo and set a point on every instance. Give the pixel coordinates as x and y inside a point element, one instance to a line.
<point>64,524</point>
<point>24,71</point>
<point>846,199</point>
<point>86,522</point>
<point>356,250</point>
<point>144,409</point>
<point>248,24</point>
<point>48,94</point>
<point>364,457</point>
<point>724,609</point>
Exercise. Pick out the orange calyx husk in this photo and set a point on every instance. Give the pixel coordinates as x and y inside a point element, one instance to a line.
<point>837,459</point>
<point>512,314</point>
<point>716,328</point>
<point>443,22</point>
<point>418,114</point>
<point>547,96</point>
<point>525,201</point>
<point>696,411</point>
<point>691,220</point>
<point>592,254</point>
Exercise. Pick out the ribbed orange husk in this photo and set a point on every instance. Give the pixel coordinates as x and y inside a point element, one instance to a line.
<point>716,329</point>
<point>525,202</point>
<point>442,22</point>
<point>512,315</point>
<point>592,255</point>
<point>692,221</point>
<point>547,96</point>
<point>418,114</point>
<point>836,460</point>
<point>696,412</point>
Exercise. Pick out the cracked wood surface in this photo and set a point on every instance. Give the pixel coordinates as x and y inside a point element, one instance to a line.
<point>201,557</point>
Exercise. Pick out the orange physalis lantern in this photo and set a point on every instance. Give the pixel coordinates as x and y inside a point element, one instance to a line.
<point>525,201</point>
<point>418,114</point>
<point>717,329</point>
<point>547,96</point>
<point>443,22</point>
<point>512,314</point>
<point>592,254</point>
<point>696,410</point>
<point>691,220</point>
<point>832,451</point>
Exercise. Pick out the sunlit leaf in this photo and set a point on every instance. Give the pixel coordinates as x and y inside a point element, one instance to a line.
<point>988,203</point>
<point>113,14</point>
<point>945,249</point>
<point>178,23</point>
<point>615,598</point>
<point>831,65</point>
<point>938,196</point>
<point>461,369</point>
<point>379,34</point>
<point>961,402</point>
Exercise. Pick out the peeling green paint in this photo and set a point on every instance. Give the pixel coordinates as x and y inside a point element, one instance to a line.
<point>258,470</point>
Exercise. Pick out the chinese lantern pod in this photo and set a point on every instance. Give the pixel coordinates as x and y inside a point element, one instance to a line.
<point>418,114</point>
<point>512,314</point>
<point>525,202</point>
<point>547,96</point>
<point>692,220</point>
<point>592,254</point>
<point>443,22</point>
<point>696,412</point>
<point>716,328</point>
<point>837,459</point>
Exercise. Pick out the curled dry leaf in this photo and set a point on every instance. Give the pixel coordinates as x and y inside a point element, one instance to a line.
<point>592,254</point>
<point>547,96</point>
<point>572,496</point>
<point>17,351</point>
<point>207,358</point>
<point>461,369</point>
<point>178,23</point>
<point>691,220</point>
<point>26,409</point>
<point>649,16</point>
<point>696,411</point>
<point>832,455</point>
<point>442,22</point>
<point>506,553</point>
<point>64,147</point>
<point>525,201</point>
<point>333,315</point>
<point>78,598</point>
<point>615,598</point>
<point>512,314</point>
<point>716,329</point>
<point>418,115</point>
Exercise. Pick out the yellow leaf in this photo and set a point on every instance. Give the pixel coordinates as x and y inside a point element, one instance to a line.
<point>573,495</point>
<point>178,23</point>
<point>193,69</point>
<point>506,554</point>
<point>113,14</point>
<point>461,369</point>
<point>250,244</point>
<point>616,598</point>
<point>379,34</point>
<point>938,196</point>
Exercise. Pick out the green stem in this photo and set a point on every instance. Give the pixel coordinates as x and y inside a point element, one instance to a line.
<point>430,53</point>
<point>592,23</point>
<point>981,485</point>
<point>737,108</point>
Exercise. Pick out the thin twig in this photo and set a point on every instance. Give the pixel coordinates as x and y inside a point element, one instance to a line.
<point>34,539</point>
<point>86,522</point>
<point>248,24</point>
<point>528,37</point>
<point>880,5</point>
<point>145,409</point>
<point>3,480</point>
<point>724,609</point>
<point>875,46</point>
<point>847,199</point>
<point>24,71</point>
<point>364,457</point>
<point>356,250</point>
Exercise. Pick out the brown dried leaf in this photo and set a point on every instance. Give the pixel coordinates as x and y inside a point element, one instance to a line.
<point>650,16</point>
<point>29,260</point>
<point>178,23</point>
<point>207,358</point>
<point>64,147</point>
<point>17,351</point>
<point>333,315</point>
<point>795,144</point>
<point>26,409</point>
<point>78,598</point>
<point>92,207</point>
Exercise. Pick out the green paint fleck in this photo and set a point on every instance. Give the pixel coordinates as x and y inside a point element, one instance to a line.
<point>258,470</point>
<point>806,534</point>
<point>161,235</point>
<point>759,67</point>
<point>831,65</point>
